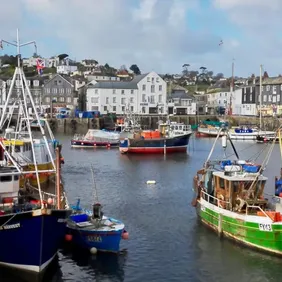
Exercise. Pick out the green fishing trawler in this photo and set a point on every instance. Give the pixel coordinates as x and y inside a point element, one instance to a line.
<point>230,199</point>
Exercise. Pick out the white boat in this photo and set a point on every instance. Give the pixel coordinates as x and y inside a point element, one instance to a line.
<point>209,131</point>
<point>245,133</point>
<point>96,138</point>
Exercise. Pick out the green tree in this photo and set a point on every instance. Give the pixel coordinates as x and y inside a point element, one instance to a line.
<point>135,69</point>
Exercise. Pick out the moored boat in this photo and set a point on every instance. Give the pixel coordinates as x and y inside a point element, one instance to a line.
<point>210,128</point>
<point>170,138</point>
<point>93,231</point>
<point>230,200</point>
<point>96,138</point>
<point>32,222</point>
<point>249,133</point>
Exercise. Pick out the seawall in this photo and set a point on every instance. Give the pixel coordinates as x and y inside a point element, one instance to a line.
<point>80,126</point>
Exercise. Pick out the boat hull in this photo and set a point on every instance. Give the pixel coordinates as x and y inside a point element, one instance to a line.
<point>155,146</point>
<point>250,136</point>
<point>92,144</point>
<point>31,239</point>
<point>105,241</point>
<point>206,132</point>
<point>253,231</point>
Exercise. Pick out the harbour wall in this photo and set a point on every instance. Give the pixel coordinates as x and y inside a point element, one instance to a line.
<point>80,126</point>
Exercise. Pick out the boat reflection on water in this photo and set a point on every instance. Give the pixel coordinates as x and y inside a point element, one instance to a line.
<point>51,273</point>
<point>102,267</point>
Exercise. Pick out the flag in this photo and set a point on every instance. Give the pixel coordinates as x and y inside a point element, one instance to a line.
<point>40,65</point>
<point>220,43</point>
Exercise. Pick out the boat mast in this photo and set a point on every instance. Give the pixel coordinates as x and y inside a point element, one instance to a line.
<point>260,94</point>
<point>26,94</point>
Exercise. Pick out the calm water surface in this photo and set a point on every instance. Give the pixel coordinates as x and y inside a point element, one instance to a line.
<point>167,243</point>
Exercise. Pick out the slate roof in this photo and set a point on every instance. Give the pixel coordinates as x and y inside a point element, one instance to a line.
<point>132,84</point>
<point>271,80</point>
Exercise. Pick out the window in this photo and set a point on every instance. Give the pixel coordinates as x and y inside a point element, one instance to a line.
<point>36,83</point>
<point>107,100</point>
<point>54,90</point>
<point>55,82</point>
<point>143,98</point>
<point>123,108</point>
<point>152,99</point>
<point>131,91</point>
<point>153,79</point>
<point>61,90</point>
<point>160,88</point>
<point>245,97</point>
<point>132,108</point>
<point>114,108</point>
<point>152,88</point>
<point>251,98</point>
<point>274,89</point>
<point>123,101</point>
<point>47,99</point>
<point>122,91</point>
<point>96,91</point>
<point>114,99</point>
<point>69,100</point>
<point>69,91</point>
<point>269,98</point>
<point>62,99</point>
<point>94,100</point>
<point>95,108</point>
<point>114,91</point>
<point>267,87</point>
<point>281,87</point>
<point>148,79</point>
<point>278,98</point>
<point>6,178</point>
<point>157,79</point>
<point>143,110</point>
<point>144,87</point>
<point>131,100</point>
<point>264,98</point>
<point>160,98</point>
<point>274,99</point>
<point>105,108</point>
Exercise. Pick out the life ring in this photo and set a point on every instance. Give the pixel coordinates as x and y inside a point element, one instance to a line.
<point>221,202</point>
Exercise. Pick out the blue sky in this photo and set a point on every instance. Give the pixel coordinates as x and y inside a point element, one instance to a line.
<point>158,35</point>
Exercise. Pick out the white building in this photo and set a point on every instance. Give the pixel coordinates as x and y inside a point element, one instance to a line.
<point>66,69</point>
<point>237,102</point>
<point>102,78</point>
<point>145,94</point>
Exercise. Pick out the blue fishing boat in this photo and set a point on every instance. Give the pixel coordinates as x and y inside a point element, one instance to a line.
<point>94,231</point>
<point>32,223</point>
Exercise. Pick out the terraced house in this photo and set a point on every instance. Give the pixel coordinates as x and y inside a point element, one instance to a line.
<point>271,96</point>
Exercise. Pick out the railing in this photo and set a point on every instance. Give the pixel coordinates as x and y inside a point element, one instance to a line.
<point>219,202</point>
<point>257,207</point>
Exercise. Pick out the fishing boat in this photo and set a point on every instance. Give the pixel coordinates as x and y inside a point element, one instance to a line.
<point>249,133</point>
<point>230,200</point>
<point>32,222</point>
<point>210,128</point>
<point>94,231</point>
<point>96,138</point>
<point>171,137</point>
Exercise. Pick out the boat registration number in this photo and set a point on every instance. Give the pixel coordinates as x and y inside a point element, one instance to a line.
<point>265,227</point>
<point>94,238</point>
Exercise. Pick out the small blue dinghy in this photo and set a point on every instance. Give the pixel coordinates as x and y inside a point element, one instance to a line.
<point>94,231</point>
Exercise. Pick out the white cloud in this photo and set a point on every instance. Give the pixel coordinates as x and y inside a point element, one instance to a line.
<point>151,33</point>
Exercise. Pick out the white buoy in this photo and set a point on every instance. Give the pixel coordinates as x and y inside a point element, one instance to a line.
<point>151,182</point>
<point>93,251</point>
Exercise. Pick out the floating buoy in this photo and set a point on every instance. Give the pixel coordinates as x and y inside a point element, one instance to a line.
<point>68,237</point>
<point>125,235</point>
<point>95,145</point>
<point>93,251</point>
<point>151,182</point>
<point>50,201</point>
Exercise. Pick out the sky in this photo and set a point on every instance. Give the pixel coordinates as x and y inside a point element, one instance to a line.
<point>157,35</point>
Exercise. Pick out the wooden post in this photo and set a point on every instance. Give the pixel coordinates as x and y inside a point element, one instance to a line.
<point>58,179</point>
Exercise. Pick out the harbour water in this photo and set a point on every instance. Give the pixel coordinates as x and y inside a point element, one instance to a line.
<point>167,243</point>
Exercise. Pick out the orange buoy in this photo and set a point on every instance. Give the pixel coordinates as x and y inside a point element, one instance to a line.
<point>29,175</point>
<point>125,235</point>
<point>68,237</point>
